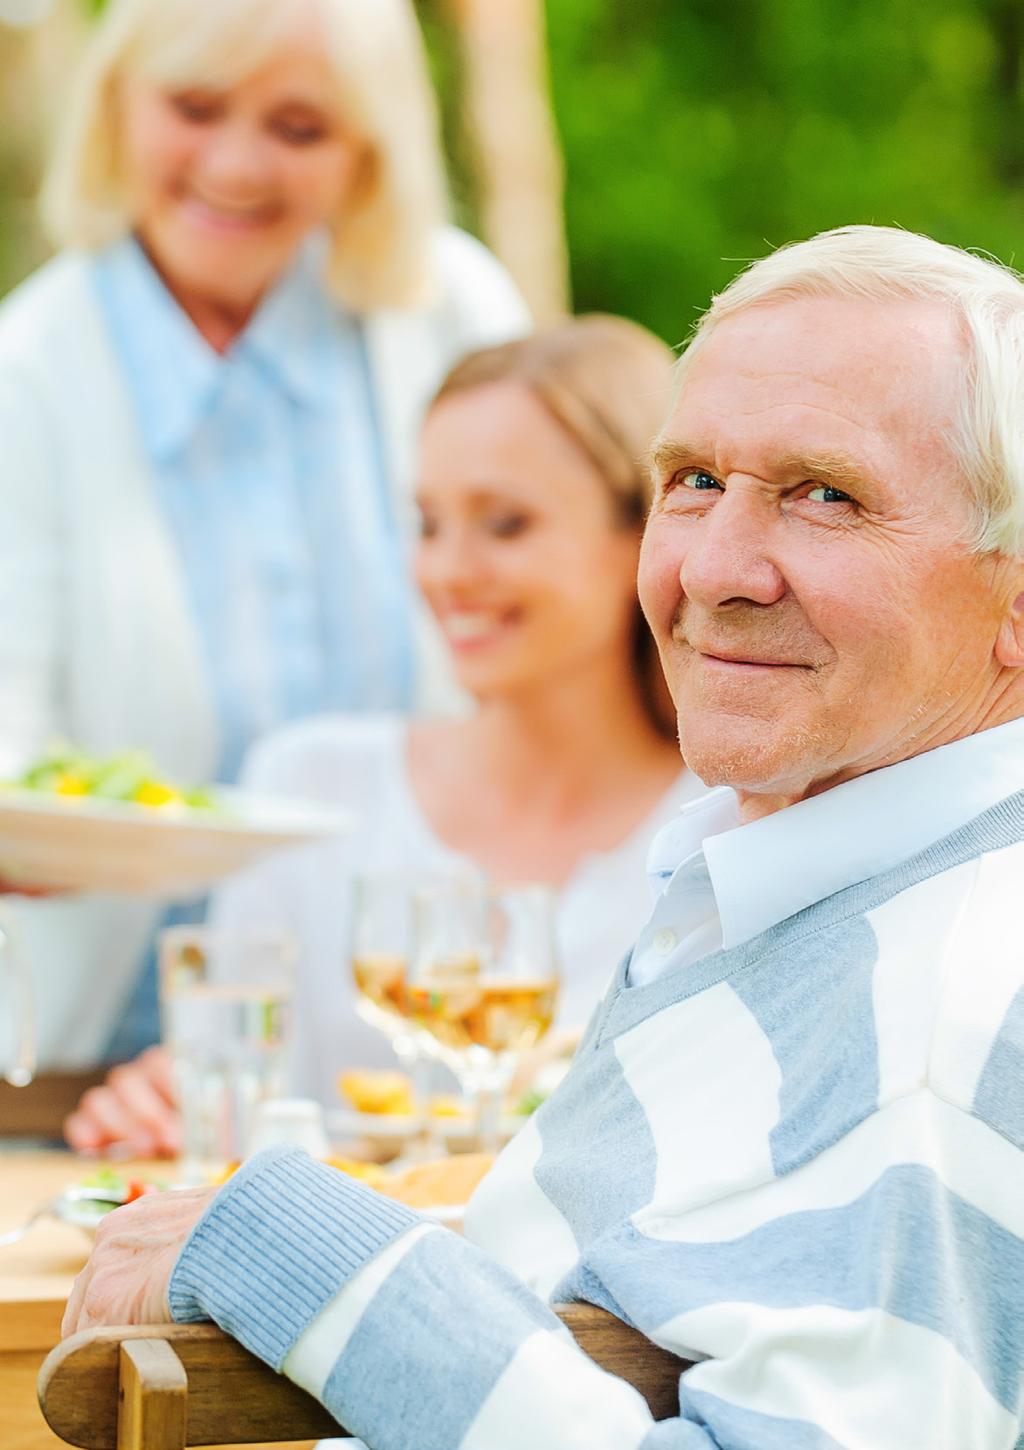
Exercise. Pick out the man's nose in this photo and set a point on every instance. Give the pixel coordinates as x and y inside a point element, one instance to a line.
<point>728,556</point>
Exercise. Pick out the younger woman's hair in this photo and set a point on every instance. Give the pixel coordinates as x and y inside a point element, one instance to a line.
<point>381,245</point>
<point>607,383</point>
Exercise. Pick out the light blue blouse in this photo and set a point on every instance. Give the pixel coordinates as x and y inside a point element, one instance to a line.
<point>271,474</point>
<point>270,471</point>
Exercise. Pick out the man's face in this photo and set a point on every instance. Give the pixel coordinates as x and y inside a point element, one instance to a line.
<point>804,568</point>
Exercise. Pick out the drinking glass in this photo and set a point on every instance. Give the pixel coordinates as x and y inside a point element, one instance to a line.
<point>380,941</point>
<point>483,983</point>
<point>379,952</point>
<point>21,1066</point>
<point>225,1006</point>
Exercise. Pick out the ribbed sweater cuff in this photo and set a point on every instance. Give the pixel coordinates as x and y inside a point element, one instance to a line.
<point>275,1245</point>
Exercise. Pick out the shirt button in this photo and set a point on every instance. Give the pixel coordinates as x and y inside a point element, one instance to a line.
<point>664,941</point>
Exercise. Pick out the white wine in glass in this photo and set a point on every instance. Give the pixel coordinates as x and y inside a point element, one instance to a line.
<point>483,982</point>
<point>380,981</point>
<point>500,1015</point>
<point>379,946</point>
<point>379,940</point>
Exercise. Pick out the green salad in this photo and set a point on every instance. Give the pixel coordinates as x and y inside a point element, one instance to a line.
<point>129,775</point>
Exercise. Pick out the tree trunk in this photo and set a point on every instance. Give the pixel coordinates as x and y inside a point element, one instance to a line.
<point>34,67</point>
<point>511,128</point>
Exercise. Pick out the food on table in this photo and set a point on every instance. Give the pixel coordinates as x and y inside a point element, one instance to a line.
<point>447,1105</point>
<point>390,1094</point>
<point>372,1174</point>
<point>444,1181</point>
<point>530,1102</point>
<point>112,1182</point>
<point>377,1092</point>
<point>129,775</point>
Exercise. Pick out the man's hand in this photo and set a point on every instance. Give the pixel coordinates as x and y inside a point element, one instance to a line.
<point>137,1246</point>
<point>135,1109</point>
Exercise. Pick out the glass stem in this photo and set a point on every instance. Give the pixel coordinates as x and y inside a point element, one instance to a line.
<point>489,1099</point>
<point>423,1144</point>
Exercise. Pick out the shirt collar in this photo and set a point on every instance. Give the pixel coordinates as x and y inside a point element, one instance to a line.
<point>295,327</point>
<point>173,374</point>
<point>768,870</point>
<point>176,377</point>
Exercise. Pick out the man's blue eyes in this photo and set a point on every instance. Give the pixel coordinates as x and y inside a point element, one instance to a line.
<point>699,480</point>
<point>829,494</point>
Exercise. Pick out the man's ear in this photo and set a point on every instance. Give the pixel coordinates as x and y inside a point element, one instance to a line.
<point>1010,640</point>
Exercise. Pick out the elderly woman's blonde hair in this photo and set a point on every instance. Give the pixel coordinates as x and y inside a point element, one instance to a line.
<point>885,264</point>
<point>381,246</point>
<point>607,383</point>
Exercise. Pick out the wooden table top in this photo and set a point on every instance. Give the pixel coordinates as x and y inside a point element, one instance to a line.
<point>36,1273</point>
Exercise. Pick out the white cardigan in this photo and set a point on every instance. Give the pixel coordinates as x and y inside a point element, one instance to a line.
<point>97,643</point>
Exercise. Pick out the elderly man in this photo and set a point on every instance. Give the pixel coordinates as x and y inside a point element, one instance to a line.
<point>790,1144</point>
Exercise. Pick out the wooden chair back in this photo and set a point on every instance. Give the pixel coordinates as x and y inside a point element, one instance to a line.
<point>164,1387</point>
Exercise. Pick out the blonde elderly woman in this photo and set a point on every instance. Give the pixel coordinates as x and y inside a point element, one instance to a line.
<point>208,402</point>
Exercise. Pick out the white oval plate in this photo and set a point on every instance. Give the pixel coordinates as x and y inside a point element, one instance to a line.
<point>83,1214</point>
<point>392,1130</point>
<point>81,843</point>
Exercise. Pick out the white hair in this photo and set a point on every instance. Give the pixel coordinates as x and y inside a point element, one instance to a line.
<point>883,264</point>
<point>381,246</point>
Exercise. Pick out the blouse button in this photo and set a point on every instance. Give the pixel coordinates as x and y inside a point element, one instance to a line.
<point>664,941</point>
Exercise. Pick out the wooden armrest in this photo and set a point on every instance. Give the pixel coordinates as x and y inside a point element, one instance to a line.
<point>232,1397</point>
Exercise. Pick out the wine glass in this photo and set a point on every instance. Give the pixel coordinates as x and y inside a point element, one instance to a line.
<point>379,945</point>
<point>483,982</point>
<point>379,952</point>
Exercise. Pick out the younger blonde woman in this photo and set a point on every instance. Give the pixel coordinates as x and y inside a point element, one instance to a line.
<point>532,491</point>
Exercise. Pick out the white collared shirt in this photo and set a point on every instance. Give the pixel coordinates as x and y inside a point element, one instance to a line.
<point>722,883</point>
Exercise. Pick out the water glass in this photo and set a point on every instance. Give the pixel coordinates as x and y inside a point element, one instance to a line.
<point>19,1053</point>
<point>225,1008</point>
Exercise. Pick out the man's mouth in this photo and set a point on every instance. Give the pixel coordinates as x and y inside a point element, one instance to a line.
<point>733,661</point>
<point>745,661</point>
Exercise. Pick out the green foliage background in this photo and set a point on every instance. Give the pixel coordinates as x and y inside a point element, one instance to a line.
<point>699,133</point>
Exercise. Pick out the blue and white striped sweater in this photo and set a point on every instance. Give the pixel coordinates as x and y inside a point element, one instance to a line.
<point>797,1162</point>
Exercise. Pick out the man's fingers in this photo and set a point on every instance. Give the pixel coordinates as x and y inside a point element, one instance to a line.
<point>72,1312</point>
<point>137,1246</point>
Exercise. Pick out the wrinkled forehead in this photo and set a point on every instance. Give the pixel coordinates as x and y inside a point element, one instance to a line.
<point>194,42</point>
<point>825,374</point>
